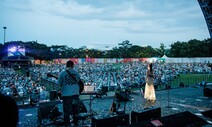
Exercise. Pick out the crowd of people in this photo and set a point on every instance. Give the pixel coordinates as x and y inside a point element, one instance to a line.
<point>122,75</point>
<point>130,74</point>
<point>28,85</point>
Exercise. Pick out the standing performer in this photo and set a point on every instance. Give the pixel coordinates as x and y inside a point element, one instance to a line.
<point>70,91</point>
<point>149,93</point>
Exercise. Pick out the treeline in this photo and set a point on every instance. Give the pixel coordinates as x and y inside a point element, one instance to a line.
<point>125,49</point>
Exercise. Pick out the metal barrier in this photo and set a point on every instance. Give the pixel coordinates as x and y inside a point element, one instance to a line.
<point>49,85</point>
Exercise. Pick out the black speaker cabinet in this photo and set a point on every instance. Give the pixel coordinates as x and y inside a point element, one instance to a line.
<point>110,120</point>
<point>48,110</point>
<point>182,119</point>
<point>207,113</point>
<point>122,119</point>
<point>138,116</point>
<point>207,92</point>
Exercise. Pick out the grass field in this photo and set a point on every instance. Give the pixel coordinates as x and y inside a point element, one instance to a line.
<point>189,80</point>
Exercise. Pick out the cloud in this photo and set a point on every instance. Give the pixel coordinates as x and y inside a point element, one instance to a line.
<point>92,22</point>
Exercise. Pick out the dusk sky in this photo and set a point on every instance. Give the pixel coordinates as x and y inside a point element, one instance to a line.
<point>102,23</point>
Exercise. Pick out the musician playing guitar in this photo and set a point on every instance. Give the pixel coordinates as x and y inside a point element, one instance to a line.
<point>70,91</point>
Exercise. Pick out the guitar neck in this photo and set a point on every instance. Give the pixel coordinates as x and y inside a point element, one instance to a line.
<point>51,75</point>
<point>81,84</point>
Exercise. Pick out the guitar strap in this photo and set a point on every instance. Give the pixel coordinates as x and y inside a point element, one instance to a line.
<point>74,78</point>
<point>80,83</point>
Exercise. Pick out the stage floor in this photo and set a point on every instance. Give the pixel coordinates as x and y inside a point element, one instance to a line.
<point>173,101</point>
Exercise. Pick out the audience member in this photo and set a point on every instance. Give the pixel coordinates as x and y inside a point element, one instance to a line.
<point>9,112</point>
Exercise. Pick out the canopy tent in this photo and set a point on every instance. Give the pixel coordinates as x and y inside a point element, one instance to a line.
<point>164,56</point>
<point>162,59</point>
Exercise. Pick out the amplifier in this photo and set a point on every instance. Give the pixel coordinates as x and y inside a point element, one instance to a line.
<point>148,114</point>
<point>48,110</point>
<point>110,120</point>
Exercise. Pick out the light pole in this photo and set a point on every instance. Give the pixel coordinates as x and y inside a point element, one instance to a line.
<point>4,32</point>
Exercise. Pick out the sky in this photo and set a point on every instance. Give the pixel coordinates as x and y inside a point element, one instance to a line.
<point>102,24</point>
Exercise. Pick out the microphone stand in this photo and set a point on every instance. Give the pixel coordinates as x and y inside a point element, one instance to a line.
<point>125,101</point>
<point>168,87</point>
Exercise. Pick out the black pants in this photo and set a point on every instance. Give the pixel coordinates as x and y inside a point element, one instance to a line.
<point>70,107</point>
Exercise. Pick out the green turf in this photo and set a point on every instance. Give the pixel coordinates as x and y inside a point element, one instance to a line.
<point>191,79</point>
<point>187,80</point>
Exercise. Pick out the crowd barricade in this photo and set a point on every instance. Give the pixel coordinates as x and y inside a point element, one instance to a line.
<point>49,85</point>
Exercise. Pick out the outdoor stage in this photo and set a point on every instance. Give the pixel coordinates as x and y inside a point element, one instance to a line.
<point>179,100</point>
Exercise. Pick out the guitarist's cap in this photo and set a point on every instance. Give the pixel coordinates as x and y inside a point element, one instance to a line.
<point>70,63</point>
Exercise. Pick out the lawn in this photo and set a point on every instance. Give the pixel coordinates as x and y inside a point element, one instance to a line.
<point>189,80</point>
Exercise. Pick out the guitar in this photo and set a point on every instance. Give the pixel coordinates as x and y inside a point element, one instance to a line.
<point>80,83</point>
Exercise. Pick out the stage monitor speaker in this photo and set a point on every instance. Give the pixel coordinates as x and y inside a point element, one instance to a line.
<point>207,92</point>
<point>110,120</point>
<point>207,113</point>
<point>48,110</point>
<point>148,114</point>
<point>123,119</point>
<point>183,119</point>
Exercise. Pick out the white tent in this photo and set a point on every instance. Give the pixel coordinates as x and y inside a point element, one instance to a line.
<point>164,56</point>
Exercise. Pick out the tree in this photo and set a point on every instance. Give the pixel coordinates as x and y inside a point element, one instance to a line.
<point>175,49</point>
<point>136,51</point>
<point>162,50</point>
<point>192,48</point>
<point>123,50</point>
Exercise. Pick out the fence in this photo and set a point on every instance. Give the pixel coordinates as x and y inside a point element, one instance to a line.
<point>49,85</point>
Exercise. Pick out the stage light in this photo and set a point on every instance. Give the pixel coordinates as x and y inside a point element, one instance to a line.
<point>21,49</point>
<point>13,49</point>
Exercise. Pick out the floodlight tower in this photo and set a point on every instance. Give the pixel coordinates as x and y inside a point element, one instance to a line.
<point>4,32</point>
